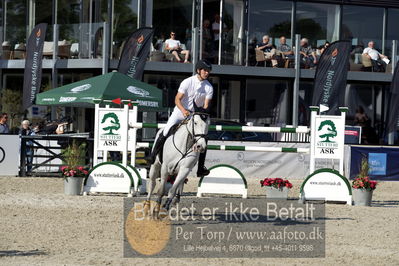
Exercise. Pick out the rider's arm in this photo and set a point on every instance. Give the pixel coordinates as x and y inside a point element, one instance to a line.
<point>207,103</point>
<point>178,98</point>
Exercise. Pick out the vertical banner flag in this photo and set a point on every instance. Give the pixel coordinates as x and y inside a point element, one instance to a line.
<point>393,110</point>
<point>135,53</point>
<point>33,64</point>
<point>331,75</point>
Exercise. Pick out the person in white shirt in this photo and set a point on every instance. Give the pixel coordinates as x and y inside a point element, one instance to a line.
<point>173,46</point>
<point>193,89</point>
<point>374,55</point>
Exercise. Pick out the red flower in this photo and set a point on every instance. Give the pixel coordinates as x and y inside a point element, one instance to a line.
<point>275,182</point>
<point>364,183</point>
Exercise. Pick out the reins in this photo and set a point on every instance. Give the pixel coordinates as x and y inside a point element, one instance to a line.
<point>195,137</point>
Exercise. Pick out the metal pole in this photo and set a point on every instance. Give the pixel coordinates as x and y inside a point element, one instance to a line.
<point>384,29</point>
<point>139,14</point>
<point>201,48</point>
<point>194,47</point>
<point>391,135</point>
<point>293,22</point>
<point>296,82</point>
<point>54,82</point>
<point>220,31</point>
<point>105,48</point>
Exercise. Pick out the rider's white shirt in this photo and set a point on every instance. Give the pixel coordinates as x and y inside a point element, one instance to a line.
<point>194,89</point>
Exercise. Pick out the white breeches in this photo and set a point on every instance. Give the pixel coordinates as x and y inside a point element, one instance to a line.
<point>174,119</point>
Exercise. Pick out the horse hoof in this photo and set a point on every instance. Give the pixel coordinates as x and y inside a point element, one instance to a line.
<point>163,213</point>
<point>155,212</point>
<point>176,201</point>
<point>167,204</point>
<point>147,207</point>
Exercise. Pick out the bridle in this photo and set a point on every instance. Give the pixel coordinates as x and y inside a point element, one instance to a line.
<point>191,135</point>
<point>197,137</point>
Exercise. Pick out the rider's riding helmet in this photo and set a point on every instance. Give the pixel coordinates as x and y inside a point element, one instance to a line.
<point>203,64</point>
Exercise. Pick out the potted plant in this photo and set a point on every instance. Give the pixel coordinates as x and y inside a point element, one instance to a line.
<point>363,186</point>
<point>74,172</point>
<point>276,188</point>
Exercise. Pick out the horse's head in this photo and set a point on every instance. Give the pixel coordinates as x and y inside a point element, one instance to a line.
<point>199,124</point>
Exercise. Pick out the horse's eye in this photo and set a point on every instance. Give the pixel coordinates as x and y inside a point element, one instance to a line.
<point>195,123</point>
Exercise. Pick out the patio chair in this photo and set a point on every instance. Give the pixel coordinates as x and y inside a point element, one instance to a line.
<point>260,57</point>
<point>6,51</point>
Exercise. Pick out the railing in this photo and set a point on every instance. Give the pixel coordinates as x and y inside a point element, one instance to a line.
<point>41,155</point>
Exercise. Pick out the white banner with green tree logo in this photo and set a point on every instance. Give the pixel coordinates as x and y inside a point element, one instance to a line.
<point>330,133</point>
<point>111,125</point>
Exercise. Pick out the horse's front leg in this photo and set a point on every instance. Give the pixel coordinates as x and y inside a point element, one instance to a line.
<point>179,193</point>
<point>181,176</point>
<point>161,190</point>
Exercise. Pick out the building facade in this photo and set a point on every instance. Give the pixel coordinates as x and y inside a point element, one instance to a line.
<point>89,35</point>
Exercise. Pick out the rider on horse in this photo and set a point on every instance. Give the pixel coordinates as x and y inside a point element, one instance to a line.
<point>193,89</point>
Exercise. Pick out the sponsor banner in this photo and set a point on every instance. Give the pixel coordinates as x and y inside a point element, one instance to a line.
<point>382,162</point>
<point>33,65</point>
<point>377,163</point>
<point>327,184</point>
<point>111,125</point>
<point>329,134</point>
<point>135,53</point>
<point>9,155</point>
<point>331,75</point>
<point>263,164</point>
<point>80,88</point>
<point>109,177</point>
<point>225,228</point>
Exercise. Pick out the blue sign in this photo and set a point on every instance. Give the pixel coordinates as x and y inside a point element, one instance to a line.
<point>377,163</point>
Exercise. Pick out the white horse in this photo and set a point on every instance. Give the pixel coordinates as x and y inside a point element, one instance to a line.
<point>180,154</point>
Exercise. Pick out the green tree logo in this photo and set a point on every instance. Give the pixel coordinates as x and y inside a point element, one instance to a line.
<point>330,131</point>
<point>114,123</point>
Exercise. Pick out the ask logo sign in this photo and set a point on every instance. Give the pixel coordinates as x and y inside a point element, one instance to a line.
<point>326,138</point>
<point>110,126</point>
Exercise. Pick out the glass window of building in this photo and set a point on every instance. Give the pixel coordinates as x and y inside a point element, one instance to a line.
<point>267,102</point>
<point>362,24</point>
<point>81,27</point>
<point>371,98</point>
<point>392,30</point>
<point>317,22</point>
<point>210,33</point>
<point>41,12</point>
<point>14,25</point>
<point>171,16</point>
<point>124,23</point>
<point>271,18</point>
<point>233,33</point>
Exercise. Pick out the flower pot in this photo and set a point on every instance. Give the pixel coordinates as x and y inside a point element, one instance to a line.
<point>277,193</point>
<point>362,197</point>
<point>73,185</point>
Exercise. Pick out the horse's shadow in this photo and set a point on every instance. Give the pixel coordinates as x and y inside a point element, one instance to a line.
<point>10,253</point>
<point>385,203</point>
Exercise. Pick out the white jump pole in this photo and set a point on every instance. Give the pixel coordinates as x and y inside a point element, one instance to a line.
<point>133,134</point>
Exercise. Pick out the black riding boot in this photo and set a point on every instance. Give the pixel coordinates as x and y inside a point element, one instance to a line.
<point>202,171</point>
<point>157,147</point>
